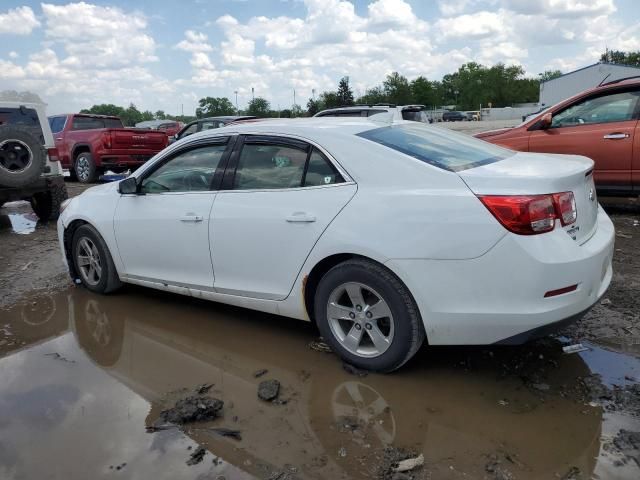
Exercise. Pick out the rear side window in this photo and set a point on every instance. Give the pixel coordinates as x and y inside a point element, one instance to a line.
<point>87,123</point>
<point>56,124</point>
<point>320,171</point>
<point>264,166</point>
<point>436,146</point>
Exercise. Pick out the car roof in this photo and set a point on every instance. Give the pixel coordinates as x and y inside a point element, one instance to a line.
<point>226,118</point>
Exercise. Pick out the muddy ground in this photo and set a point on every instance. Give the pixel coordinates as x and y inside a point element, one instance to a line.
<point>89,384</point>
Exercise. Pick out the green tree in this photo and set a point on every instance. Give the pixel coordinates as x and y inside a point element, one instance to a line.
<point>104,109</point>
<point>296,111</point>
<point>424,92</point>
<point>621,58</point>
<point>160,115</point>
<point>372,96</point>
<point>397,89</point>
<point>286,113</point>
<point>344,93</point>
<point>313,107</point>
<point>214,106</point>
<point>259,107</point>
<point>328,100</point>
<point>549,75</point>
<point>131,116</point>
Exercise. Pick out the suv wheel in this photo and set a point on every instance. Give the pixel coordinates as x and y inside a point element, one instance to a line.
<point>368,316</point>
<point>47,204</point>
<point>93,262</point>
<point>22,157</point>
<point>85,168</point>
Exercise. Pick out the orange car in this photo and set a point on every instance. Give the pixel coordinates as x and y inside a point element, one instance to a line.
<point>601,123</point>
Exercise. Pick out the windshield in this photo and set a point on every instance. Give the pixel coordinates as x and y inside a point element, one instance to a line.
<point>437,146</point>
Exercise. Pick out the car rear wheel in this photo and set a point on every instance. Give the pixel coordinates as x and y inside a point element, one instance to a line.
<point>85,168</point>
<point>92,261</point>
<point>368,316</point>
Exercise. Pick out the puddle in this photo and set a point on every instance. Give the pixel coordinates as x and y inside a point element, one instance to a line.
<point>613,368</point>
<point>21,223</point>
<point>86,374</point>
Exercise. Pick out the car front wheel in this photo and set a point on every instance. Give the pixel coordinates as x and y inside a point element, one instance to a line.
<point>92,261</point>
<point>368,316</point>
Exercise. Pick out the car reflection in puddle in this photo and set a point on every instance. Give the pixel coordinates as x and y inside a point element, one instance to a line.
<point>98,371</point>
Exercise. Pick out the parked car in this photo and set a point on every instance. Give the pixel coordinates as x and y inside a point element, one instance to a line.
<point>382,235</point>
<point>415,113</point>
<point>209,123</point>
<point>29,166</point>
<point>453,116</point>
<point>89,144</point>
<point>473,116</point>
<point>600,123</point>
<point>170,127</point>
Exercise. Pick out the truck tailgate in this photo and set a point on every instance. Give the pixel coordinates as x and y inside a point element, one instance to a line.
<point>126,139</point>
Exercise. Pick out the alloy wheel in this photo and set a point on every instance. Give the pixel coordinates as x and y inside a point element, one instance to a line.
<point>360,319</point>
<point>88,261</point>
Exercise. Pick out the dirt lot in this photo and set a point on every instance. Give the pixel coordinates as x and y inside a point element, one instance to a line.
<point>90,384</point>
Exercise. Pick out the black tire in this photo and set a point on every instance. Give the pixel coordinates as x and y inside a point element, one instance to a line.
<point>22,157</point>
<point>85,168</point>
<point>409,330</point>
<point>108,280</point>
<point>47,204</point>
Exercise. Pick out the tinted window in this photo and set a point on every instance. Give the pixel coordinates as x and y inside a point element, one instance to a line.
<point>191,171</point>
<point>189,130</point>
<point>208,125</point>
<point>320,171</point>
<point>87,123</point>
<point>113,123</point>
<point>56,124</point>
<point>437,146</point>
<point>618,107</point>
<point>415,115</point>
<point>263,166</point>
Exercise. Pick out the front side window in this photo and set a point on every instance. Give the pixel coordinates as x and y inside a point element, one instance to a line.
<point>190,171</point>
<point>618,107</point>
<point>436,146</point>
<point>269,166</point>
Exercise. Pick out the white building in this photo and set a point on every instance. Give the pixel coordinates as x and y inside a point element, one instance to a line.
<point>572,83</point>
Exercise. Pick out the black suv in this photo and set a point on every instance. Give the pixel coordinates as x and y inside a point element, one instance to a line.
<point>453,116</point>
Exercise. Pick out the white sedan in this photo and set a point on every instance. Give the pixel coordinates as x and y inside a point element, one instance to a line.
<point>384,235</point>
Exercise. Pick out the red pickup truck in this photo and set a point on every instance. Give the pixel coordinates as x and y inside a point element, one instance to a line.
<point>91,144</point>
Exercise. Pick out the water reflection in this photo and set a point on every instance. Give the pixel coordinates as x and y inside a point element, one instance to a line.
<point>456,406</point>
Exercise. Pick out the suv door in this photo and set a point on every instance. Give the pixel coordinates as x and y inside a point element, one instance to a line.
<point>601,127</point>
<point>163,232</point>
<point>278,195</point>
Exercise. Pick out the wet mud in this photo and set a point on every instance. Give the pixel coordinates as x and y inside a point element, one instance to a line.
<point>96,372</point>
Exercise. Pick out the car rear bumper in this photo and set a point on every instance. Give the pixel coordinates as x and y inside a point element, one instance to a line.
<point>124,161</point>
<point>500,296</point>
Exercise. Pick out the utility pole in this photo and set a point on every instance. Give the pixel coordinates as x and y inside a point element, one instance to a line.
<point>253,97</point>
<point>236,92</point>
<point>313,94</point>
<point>294,96</point>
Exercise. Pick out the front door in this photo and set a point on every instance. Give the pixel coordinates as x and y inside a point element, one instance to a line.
<point>163,232</point>
<point>281,197</point>
<point>599,127</point>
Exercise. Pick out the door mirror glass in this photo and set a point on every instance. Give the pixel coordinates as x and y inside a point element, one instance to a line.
<point>128,186</point>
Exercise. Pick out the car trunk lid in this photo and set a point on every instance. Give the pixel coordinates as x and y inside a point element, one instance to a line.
<point>539,174</point>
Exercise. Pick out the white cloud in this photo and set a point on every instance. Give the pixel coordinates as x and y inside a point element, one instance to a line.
<point>194,42</point>
<point>561,8</point>
<point>13,54</point>
<point>18,21</point>
<point>476,25</point>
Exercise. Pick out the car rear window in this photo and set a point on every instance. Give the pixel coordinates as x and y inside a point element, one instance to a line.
<point>437,146</point>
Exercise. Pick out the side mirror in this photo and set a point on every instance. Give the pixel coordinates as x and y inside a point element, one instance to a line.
<point>128,186</point>
<point>545,121</point>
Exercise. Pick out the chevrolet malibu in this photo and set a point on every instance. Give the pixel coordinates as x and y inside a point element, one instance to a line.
<point>384,235</point>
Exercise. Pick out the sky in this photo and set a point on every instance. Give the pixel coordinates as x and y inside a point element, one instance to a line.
<point>167,54</point>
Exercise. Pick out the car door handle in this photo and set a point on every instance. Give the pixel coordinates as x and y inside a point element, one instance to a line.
<point>616,136</point>
<point>191,218</point>
<point>59,138</point>
<point>300,217</point>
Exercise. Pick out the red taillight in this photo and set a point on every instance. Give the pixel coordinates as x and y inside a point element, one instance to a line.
<point>53,154</point>
<point>531,214</point>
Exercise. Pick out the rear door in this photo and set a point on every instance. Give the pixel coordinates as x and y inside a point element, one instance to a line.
<point>600,127</point>
<point>278,196</point>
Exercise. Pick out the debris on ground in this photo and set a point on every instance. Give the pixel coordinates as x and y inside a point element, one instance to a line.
<point>204,388</point>
<point>197,456</point>
<point>260,373</point>
<point>227,432</point>
<point>192,409</point>
<point>575,348</point>
<point>391,460</point>
<point>57,356</point>
<point>320,346</point>
<point>347,367</point>
<point>268,390</point>
<point>628,443</point>
<point>409,464</point>
<point>156,428</point>
<point>574,473</point>
<point>495,468</point>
